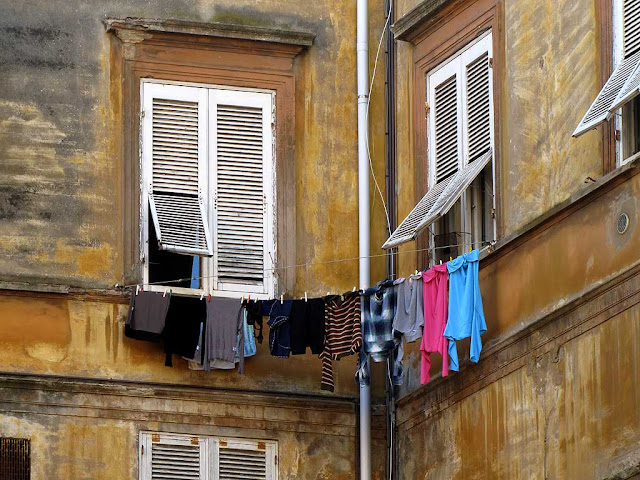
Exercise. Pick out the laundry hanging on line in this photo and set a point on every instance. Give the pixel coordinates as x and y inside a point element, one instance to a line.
<point>221,332</point>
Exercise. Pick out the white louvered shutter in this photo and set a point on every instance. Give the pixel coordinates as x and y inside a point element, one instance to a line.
<point>244,460</point>
<point>477,100</point>
<point>243,190</point>
<point>445,123</point>
<point>460,135</point>
<point>166,456</point>
<point>174,162</point>
<point>437,202</point>
<point>624,82</point>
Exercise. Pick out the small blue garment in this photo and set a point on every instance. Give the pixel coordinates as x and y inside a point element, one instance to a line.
<point>466,316</point>
<point>249,339</point>
<point>279,327</point>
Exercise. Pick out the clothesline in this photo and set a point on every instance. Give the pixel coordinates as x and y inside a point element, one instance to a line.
<point>487,244</point>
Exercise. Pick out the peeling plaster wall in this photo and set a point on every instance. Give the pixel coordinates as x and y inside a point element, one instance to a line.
<point>60,198</point>
<point>60,178</point>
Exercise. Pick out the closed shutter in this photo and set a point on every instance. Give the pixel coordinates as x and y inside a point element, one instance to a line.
<point>243,189</point>
<point>174,151</point>
<point>446,128</point>
<point>166,456</point>
<point>624,82</point>
<point>477,100</point>
<point>245,460</point>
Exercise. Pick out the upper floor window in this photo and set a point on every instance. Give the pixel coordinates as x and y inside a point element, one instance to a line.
<point>207,189</point>
<point>620,92</point>
<point>459,207</point>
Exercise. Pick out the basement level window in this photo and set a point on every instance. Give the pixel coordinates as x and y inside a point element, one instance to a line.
<point>167,455</point>
<point>15,458</point>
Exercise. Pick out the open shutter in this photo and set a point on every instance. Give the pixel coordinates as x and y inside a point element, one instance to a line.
<point>174,150</point>
<point>437,202</point>
<point>243,189</point>
<point>165,456</point>
<point>244,460</point>
<point>624,82</point>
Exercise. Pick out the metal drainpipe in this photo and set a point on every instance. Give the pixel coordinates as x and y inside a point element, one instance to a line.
<point>390,171</point>
<point>362,50</point>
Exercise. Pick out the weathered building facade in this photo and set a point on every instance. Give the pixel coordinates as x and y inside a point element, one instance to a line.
<point>555,394</point>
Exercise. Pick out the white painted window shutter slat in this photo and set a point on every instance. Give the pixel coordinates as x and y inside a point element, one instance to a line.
<point>174,159</point>
<point>243,189</point>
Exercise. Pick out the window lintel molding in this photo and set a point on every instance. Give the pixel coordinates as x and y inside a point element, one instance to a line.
<point>414,23</point>
<point>139,29</point>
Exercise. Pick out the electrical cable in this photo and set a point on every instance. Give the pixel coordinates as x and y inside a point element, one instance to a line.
<point>373,76</point>
<point>486,244</point>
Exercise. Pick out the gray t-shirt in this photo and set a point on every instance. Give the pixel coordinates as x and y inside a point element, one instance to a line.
<point>409,318</point>
<point>224,324</point>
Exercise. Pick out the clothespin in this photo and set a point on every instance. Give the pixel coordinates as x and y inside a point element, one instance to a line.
<point>305,296</point>
<point>342,298</point>
<point>470,249</point>
<point>137,289</point>
<point>440,261</point>
<point>416,272</point>
<point>450,258</point>
<point>201,295</point>
<point>209,298</point>
<point>170,293</point>
<point>248,298</point>
<point>354,289</point>
<point>281,299</point>
<point>328,294</point>
<point>165,292</point>
<point>242,300</point>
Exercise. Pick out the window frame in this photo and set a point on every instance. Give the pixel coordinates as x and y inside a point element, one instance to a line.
<point>172,51</point>
<point>456,64</point>
<point>436,38</point>
<point>207,181</point>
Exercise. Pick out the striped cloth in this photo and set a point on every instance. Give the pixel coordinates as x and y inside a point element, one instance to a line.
<point>343,334</point>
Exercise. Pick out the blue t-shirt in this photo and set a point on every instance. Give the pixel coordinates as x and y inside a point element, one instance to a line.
<point>466,316</point>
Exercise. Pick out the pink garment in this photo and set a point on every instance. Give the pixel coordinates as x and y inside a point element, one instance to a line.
<point>435,319</point>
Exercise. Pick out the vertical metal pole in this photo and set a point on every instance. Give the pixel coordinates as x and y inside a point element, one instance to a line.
<point>362,49</point>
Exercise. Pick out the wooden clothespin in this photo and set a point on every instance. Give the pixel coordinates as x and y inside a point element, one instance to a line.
<point>305,296</point>
<point>281,299</point>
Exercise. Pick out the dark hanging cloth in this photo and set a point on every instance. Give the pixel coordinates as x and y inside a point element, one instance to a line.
<point>182,328</point>
<point>254,317</point>
<point>225,332</point>
<point>307,326</point>
<point>147,316</point>
<point>279,326</point>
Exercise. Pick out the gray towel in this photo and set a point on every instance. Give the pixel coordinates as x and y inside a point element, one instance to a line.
<point>224,322</point>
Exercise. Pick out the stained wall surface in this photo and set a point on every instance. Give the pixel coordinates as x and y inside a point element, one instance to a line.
<point>61,197</point>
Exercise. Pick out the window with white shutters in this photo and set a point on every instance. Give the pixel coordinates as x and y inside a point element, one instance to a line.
<point>460,139</point>
<point>207,189</point>
<point>623,86</point>
<point>166,456</point>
